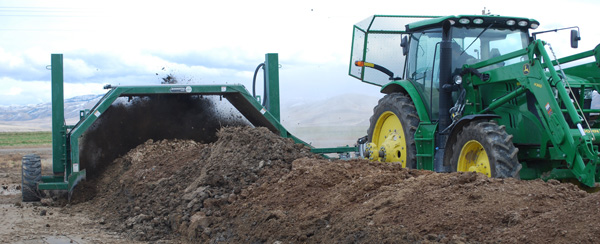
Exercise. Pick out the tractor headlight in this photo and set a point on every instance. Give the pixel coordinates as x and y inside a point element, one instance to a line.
<point>534,25</point>
<point>511,22</point>
<point>478,21</point>
<point>522,23</point>
<point>457,80</point>
<point>464,21</point>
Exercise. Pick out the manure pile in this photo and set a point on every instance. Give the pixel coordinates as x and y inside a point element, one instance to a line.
<point>251,186</point>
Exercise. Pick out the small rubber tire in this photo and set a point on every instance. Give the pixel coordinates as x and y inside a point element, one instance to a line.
<point>492,141</point>
<point>404,109</point>
<point>31,175</point>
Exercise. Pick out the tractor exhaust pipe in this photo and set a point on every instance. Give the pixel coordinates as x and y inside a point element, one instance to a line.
<point>445,96</point>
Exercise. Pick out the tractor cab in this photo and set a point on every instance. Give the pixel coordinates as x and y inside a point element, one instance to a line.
<point>410,48</point>
<point>419,61</point>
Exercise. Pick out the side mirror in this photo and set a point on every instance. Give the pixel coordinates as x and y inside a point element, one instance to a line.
<point>575,38</point>
<point>404,45</point>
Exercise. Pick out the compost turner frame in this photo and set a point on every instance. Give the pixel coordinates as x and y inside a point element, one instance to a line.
<point>65,138</point>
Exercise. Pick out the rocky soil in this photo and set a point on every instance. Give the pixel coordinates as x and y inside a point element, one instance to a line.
<point>47,221</point>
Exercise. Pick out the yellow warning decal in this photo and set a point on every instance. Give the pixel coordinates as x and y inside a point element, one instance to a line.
<point>526,69</point>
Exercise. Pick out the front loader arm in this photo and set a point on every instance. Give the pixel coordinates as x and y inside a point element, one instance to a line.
<point>538,76</point>
<point>576,147</point>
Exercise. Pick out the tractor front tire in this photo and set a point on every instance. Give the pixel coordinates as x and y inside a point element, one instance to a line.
<point>485,147</point>
<point>31,174</point>
<point>392,129</point>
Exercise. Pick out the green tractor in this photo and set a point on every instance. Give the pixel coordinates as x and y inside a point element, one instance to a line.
<point>478,93</point>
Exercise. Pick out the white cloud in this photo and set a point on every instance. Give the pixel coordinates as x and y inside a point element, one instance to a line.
<point>15,92</point>
<point>129,42</point>
<point>78,68</point>
<point>10,60</point>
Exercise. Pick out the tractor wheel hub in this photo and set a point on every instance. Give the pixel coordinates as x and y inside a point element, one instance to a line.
<point>392,148</point>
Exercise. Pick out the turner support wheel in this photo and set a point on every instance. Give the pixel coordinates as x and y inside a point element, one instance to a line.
<point>31,174</point>
<point>485,147</point>
<point>392,129</point>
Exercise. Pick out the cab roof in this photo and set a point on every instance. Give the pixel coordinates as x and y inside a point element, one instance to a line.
<point>475,21</point>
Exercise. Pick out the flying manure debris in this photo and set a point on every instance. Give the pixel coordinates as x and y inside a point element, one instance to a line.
<point>129,123</point>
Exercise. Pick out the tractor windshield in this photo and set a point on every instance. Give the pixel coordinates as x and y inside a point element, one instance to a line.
<point>472,45</point>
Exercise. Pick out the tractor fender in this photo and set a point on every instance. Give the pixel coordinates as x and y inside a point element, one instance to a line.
<point>406,87</point>
<point>458,126</point>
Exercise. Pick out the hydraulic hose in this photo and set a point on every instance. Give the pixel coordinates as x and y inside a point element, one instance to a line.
<point>262,65</point>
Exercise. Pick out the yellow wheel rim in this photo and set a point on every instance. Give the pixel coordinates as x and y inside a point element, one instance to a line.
<point>473,157</point>
<point>389,137</point>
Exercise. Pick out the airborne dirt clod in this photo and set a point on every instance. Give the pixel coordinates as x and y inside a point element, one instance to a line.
<point>251,186</point>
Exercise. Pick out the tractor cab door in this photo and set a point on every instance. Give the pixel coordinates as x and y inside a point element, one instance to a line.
<point>423,67</point>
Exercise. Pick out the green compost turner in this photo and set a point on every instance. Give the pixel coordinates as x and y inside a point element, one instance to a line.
<point>66,171</point>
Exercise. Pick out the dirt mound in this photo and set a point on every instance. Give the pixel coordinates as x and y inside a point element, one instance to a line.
<point>251,186</point>
<point>365,202</point>
<point>155,190</point>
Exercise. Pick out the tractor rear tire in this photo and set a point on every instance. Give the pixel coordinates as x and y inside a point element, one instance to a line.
<point>399,109</point>
<point>485,147</point>
<point>31,175</point>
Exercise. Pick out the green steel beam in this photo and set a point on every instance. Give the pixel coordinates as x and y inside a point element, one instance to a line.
<point>352,52</point>
<point>53,178</point>
<point>334,150</point>
<point>58,115</point>
<point>54,184</point>
<point>573,57</point>
<point>505,99</point>
<point>272,72</point>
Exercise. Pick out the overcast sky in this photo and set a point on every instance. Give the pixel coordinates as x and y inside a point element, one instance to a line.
<point>210,42</point>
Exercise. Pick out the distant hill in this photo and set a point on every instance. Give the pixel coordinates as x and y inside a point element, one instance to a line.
<point>332,122</point>
<point>314,120</point>
<point>39,117</point>
<point>342,110</point>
